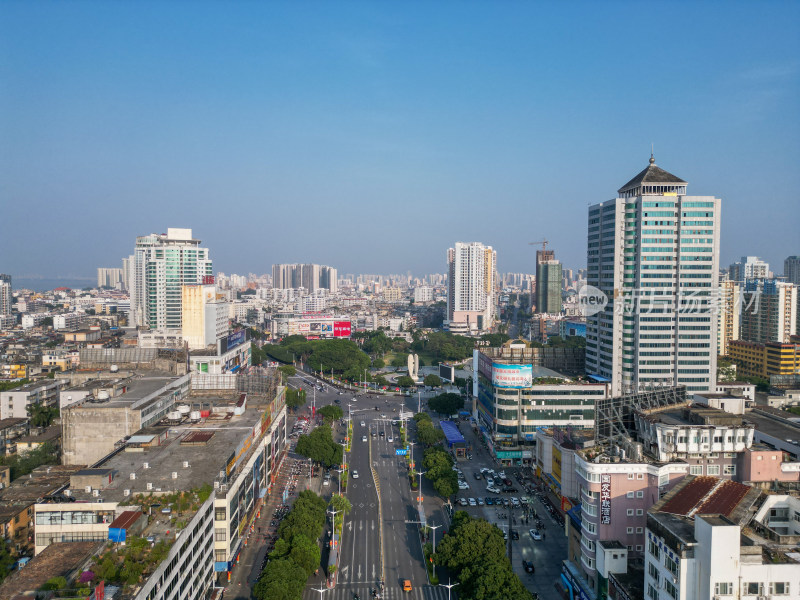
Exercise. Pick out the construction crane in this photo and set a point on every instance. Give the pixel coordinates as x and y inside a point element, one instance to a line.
<point>543,243</point>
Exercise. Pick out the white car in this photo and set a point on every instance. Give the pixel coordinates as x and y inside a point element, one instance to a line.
<point>390,439</point>
<point>502,474</point>
<point>493,490</point>
<point>462,501</point>
<point>363,424</point>
<point>355,474</point>
<point>463,485</point>
<point>472,502</point>
<point>363,438</point>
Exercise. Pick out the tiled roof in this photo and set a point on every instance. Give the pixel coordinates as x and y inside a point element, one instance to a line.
<point>651,174</point>
<point>703,495</point>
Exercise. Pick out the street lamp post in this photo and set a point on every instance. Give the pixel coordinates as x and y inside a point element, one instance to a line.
<point>434,527</point>
<point>449,586</point>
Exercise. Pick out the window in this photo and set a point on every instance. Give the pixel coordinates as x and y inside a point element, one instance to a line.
<point>639,548</point>
<point>651,592</point>
<point>629,530</point>
<point>729,470</point>
<point>723,588</point>
<point>671,589</point>
<point>220,535</point>
<point>629,494</point>
<point>779,588</point>
<point>672,565</point>
<point>630,512</point>
<point>696,470</point>
<point>639,512</point>
<point>653,549</point>
<point>753,588</point>
<point>640,530</point>
<point>640,494</point>
<point>712,470</point>
<point>640,476</point>
<point>219,514</point>
<point>630,475</point>
<point>652,570</point>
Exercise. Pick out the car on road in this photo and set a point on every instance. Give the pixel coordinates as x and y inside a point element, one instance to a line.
<point>489,480</point>
<point>509,490</point>
<point>336,400</point>
<point>374,434</point>
<point>341,393</point>
<point>514,534</point>
<point>383,416</point>
<point>363,438</point>
<point>390,439</point>
<point>535,534</point>
<point>463,485</point>
<point>478,475</point>
<point>472,502</point>
<point>489,501</point>
<point>493,489</point>
<point>480,502</point>
<point>382,434</point>
<point>355,474</point>
<point>502,474</point>
<point>406,585</point>
<point>462,501</point>
<point>485,470</point>
<point>507,481</point>
<point>528,566</point>
<point>363,424</point>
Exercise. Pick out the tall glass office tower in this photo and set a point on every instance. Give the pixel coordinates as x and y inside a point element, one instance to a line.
<point>654,252</point>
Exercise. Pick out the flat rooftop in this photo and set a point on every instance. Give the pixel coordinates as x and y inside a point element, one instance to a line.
<point>206,447</point>
<point>695,414</point>
<point>784,430</point>
<point>93,384</point>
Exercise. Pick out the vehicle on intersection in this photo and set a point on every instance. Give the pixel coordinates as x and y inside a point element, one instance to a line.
<point>535,534</point>
<point>355,474</point>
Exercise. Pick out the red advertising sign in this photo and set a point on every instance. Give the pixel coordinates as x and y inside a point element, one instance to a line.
<point>100,591</point>
<point>341,329</point>
<point>208,280</point>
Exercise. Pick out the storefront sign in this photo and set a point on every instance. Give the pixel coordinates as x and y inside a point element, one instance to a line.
<point>605,499</point>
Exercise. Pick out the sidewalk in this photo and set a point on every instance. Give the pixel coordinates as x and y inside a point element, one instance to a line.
<point>261,534</point>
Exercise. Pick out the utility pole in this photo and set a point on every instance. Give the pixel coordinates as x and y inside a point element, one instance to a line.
<point>419,498</point>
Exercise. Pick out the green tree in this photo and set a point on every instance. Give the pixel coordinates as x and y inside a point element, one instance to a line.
<point>446,404</point>
<point>295,398</point>
<point>447,484</point>
<point>405,381</point>
<point>399,360</point>
<point>378,363</point>
<point>55,583</point>
<point>428,434</point>
<point>281,579</point>
<point>288,370</point>
<point>340,503</point>
<point>432,380</point>
<point>320,447</point>
<point>41,415</point>
<point>6,560</point>
<point>305,552</point>
<point>422,416</point>
<point>380,380</point>
<point>495,339</point>
<point>331,413</point>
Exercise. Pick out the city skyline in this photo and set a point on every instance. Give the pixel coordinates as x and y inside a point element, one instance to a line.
<point>370,152</point>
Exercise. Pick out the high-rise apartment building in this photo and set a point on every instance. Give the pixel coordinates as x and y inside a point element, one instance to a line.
<point>769,311</point>
<point>109,277</point>
<point>5,294</point>
<point>791,269</point>
<point>126,273</point>
<point>654,252</point>
<point>749,267</point>
<point>161,265</point>
<point>310,276</point>
<point>549,278</point>
<point>728,315</point>
<point>471,287</point>
<point>204,317</point>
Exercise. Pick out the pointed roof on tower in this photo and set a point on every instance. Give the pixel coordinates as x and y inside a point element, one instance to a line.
<point>653,175</point>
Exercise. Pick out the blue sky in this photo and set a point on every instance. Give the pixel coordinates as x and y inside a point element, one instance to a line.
<point>372,135</point>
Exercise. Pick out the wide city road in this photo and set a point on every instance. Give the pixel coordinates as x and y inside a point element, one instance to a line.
<point>360,563</point>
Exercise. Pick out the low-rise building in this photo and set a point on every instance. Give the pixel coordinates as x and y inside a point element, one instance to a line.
<point>697,547</point>
<point>765,360</point>
<point>93,426</point>
<point>14,403</point>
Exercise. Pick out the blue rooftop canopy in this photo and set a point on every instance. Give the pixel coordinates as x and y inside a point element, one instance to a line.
<point>451,433</point>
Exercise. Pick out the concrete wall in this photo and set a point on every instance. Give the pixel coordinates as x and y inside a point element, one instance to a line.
<point>89,433</point>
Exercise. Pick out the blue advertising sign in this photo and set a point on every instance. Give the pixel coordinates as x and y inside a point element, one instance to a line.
<point>400,451</point>
<point>236,338</point>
